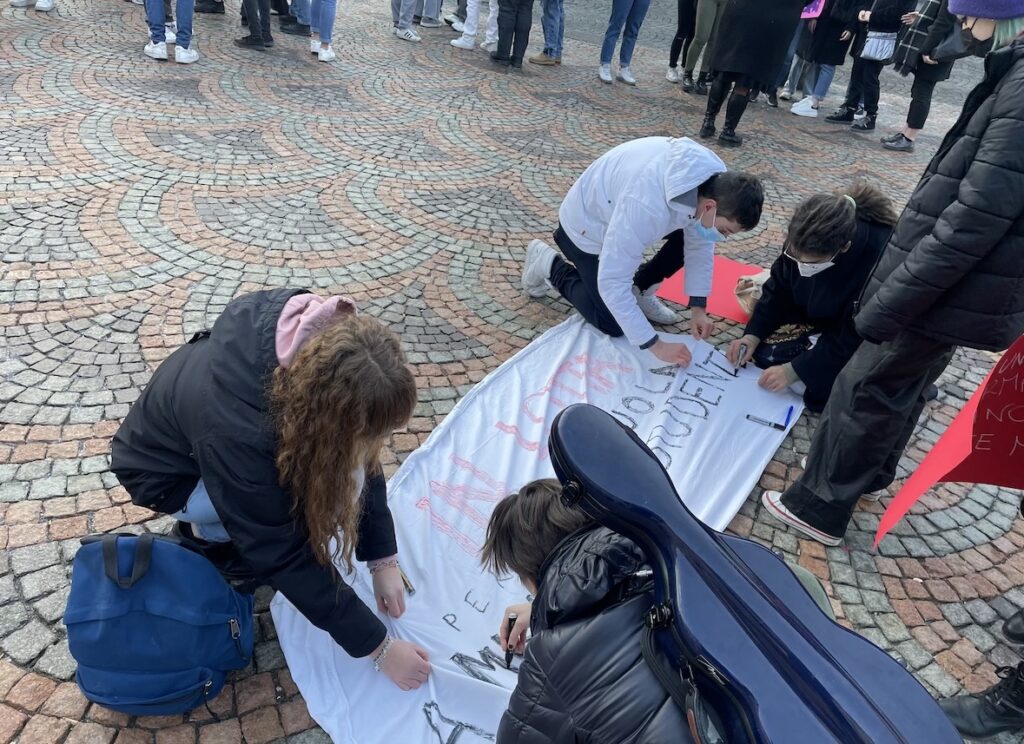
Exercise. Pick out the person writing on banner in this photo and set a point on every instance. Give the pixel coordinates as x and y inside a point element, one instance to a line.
<point>635,195</point>
<point>952,274</point>
<point>261,437</point>
<point>833,243</point>
<point>583,670</point>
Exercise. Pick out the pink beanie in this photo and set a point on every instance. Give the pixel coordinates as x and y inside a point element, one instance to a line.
<point>303,316</point>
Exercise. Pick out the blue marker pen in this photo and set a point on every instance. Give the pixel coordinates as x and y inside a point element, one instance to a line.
<point>789,417</point>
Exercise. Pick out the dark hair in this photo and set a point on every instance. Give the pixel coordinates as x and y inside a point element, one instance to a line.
<point>739,196</point>
<point>526,526</point>
<point>824,223</point>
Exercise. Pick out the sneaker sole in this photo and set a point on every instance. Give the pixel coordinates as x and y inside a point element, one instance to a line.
<point>540,290</point>
<point>806,529</point>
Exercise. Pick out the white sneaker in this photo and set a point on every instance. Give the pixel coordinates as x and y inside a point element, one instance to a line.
<point>873,496</point>
<point>44,6</point>
<point>463,42</point>
<point>537,268</point>
<point>170,33</point>
<point>605,73</point>
<point>156,51</point>
<point>652,306</point>
<point>451,19</point>
<point>772,501</point>
<point>22,3</point>
<point>458,27</point>
<point>673,75</point>
<point>626,75</point>
<point>185,55</point>
<point>489,46</point>
<point>407,34</point>
<point>805,108</point>
<point>326,55</point>
<point>314,47</point>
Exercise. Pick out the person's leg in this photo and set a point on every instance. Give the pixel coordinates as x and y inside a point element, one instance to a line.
<point>314,21</point>
<point>733,113</point>
<point>920,105</point>
<point>790,54</point>
<point>156,20</point>
<point>826,73</point>
<point>405,14</point>
<point>680,37</point>
<point>471,20</point>
<point>717,94</point>
<point>506,28</point>
<point>634,21</point>
<point>665,263</point>
<point>577,283</point>
<point>462,10</point>
<point>706,12</point>
<point>491,37</point>
<point>868,418</point>
<point>252,12</point>
<point>183,36</point>
<point>431,12</point>
<point>620,11</point>
<point>524,20</point>
<point>328,10</point>
<point>396,10</point>
<point>300,9</point>
<point>709,50</point>
<point>871,86</point>
<point>264,11</point>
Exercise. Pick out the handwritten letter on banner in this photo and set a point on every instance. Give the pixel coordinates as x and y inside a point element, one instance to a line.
<point>492,443</point>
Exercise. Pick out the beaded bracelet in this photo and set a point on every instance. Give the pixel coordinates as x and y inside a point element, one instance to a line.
<point>378,660</point>
<point>382,564</point>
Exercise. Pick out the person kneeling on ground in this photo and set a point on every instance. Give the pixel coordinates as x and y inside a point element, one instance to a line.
<point>583,671</point>
<point>636,194</point>
<point>833,244</point>
<point>262,437</point>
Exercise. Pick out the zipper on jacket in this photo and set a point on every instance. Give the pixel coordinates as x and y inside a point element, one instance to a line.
<point>236,636</point>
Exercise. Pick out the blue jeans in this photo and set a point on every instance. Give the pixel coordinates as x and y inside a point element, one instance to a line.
<point>300,9</point>
<point>158,21</point>
<point>629,14</point>
<point>321,18</point>
<point>553,23</point>
<point>790,53</point>
<point>199,511</point>
<point>428,9</point>
<point>823,81</point>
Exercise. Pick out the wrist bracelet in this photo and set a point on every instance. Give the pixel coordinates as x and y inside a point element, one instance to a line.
<point>378,660</point>
<point>382,564</point>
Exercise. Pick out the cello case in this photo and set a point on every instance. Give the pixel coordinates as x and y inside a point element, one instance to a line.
<point>743,634</point>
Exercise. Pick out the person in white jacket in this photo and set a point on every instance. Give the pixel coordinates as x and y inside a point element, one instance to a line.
<point>636,194</point>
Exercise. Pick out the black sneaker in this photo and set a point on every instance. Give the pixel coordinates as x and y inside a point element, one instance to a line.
<point>268,41</point>
<point>707,129</point>
<point>729,138</point>
<point>867,124</point>
<point>688,84</point>
<point>998,709</point>
<point>295,29</point>
<point>899,144</point>
<point>891,137</point>
<point>503,61</point>
<point>209,6</point>
<point>251,42</point>
<point>701,86</point>
<point>773,99</point>
<point>841,115</point>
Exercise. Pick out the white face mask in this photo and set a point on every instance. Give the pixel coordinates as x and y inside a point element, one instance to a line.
<point>811,269</point>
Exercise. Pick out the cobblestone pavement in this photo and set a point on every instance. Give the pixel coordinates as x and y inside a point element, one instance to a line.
<point>137,198</point>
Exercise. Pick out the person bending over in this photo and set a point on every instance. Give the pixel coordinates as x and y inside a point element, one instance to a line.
<point>834,242</point>
<point>261,436</point>
<point>635,195</point>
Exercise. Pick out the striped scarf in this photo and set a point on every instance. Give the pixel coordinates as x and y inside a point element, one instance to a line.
<point>908,51</point>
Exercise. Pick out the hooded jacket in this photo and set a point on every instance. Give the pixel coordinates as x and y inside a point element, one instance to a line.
<point>205,415</point>
<point>953,270</point>
<point>630,198</point>
<point>584,678</point>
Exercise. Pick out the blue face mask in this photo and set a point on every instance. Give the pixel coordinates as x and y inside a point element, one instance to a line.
<point>708,233</point>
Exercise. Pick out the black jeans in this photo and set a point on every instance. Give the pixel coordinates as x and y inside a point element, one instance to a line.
<point>514,20</point>
<point>864,83</point>
<point>258,13</point>
<point>867,422</point>
<point>577,281</point>
<point>920,102</point>
<point>685,26</point>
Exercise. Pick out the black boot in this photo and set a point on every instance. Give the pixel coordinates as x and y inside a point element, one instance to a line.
<point>716,95</point>
<point>701,87</point>
<point>1013,628</point>
<point>998,709</point>
<point>867,124</point>
<point>688,84</point>
<point>842,115</point>
<point>252,41</point>
<point>733,114</point>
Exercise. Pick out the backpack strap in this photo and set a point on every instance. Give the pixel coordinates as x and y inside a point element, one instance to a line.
<point>143,557</point>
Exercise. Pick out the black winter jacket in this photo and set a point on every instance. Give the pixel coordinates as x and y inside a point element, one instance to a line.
<point>953,270</point>
<point>204,415</point>
<point>825,302</point>
<point>583,678</point>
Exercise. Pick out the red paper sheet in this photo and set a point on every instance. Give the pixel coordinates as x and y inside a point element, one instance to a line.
<point>722,301</point>
<point>984,444</point>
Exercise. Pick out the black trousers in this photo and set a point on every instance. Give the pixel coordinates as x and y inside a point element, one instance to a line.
<point>685,26</point>
<point>514,20</point>
<point>867,422</point>
<point>460,11</point>
<point>920,102</point>
<point>258,13</point>
<point>864,82</point>
<point>577,281</point>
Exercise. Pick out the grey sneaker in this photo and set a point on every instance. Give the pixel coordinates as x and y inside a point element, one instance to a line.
<point>537,268</point>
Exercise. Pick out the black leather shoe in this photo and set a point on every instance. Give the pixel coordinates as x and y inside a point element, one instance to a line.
<point>994,711</point>
<point>251,42</point>
<point>503,61</point>
<point>688,84</point>
<point>841,115</point>
<point>1013,628</point>
<point>701,86</point>
<point>209,6</point>
<point>729,138</point>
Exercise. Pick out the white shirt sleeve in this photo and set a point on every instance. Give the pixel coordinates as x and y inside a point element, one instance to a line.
<point>630,230</point>
<point>700,264</point>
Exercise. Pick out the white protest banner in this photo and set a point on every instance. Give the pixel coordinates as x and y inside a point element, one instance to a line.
<point>493,442</point>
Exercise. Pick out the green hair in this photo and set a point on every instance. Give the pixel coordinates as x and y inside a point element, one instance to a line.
<point>1006,31</point>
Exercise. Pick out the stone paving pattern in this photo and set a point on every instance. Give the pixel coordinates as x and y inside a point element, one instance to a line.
<point>138,198</point>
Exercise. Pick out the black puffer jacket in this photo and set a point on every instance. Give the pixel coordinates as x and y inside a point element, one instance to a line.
<point>584,678</point>
<point>954,268</point>
<point>205,414</point>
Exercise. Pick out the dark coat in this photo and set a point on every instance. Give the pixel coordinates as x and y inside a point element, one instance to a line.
<point>953,270</point>
<point>826,303</point>
<point>583,677</point>
<point>885,18</point>
<point>823,45</point>
<point>921,38</point>
<point>753,38</point>
<point>204,415</point>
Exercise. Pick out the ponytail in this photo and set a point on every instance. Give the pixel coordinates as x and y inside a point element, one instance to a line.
<point>872,204</point>
<point>824,223</point>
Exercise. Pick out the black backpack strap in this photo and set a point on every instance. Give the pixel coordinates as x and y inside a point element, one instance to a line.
<point>680,689</point>
<point>143,557</point>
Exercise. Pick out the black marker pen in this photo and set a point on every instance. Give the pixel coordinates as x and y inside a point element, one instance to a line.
<point>509,653</point>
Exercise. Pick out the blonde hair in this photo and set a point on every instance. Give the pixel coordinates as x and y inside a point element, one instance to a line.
<point>344,393</point>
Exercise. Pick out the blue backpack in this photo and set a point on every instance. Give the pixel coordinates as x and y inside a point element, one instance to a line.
<point>153,626</point>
